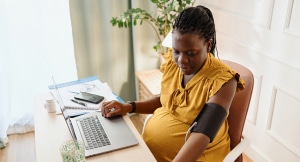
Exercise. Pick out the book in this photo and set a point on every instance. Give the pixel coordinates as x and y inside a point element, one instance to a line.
<point>91,85</point>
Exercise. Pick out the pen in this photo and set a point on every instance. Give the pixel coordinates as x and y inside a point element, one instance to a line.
<point>78,102</point>
<point>74,92</point>
<point>77,114</point>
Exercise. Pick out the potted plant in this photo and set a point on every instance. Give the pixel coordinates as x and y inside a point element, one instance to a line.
<point>166,13</point>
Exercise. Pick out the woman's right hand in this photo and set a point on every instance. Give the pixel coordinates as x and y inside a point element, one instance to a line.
<point>113,108</point>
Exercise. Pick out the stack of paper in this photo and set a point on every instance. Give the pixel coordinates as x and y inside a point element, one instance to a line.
<point>68,90</point>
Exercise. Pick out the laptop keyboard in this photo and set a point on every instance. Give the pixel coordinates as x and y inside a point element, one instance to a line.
<point>93,132</point>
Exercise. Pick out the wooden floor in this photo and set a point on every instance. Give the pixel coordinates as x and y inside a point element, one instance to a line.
<point>21,147</point>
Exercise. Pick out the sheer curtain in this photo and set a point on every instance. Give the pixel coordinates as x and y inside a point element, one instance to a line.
<point>35,43</point>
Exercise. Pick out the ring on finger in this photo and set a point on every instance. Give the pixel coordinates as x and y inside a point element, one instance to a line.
<point>112,109</point>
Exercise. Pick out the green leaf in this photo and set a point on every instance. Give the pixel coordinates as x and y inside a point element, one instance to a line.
<point>120,24</point>
<point>113,22</point>
<point>154,1</point>
<point>137,17</point>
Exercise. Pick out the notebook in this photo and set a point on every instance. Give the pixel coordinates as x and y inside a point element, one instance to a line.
<point>99,134</point>
<point>69,91</point>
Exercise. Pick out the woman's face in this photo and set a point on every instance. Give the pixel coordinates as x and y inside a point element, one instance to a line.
<point>189,51</point>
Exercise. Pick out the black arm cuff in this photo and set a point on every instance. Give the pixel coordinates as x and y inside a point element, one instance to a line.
<point>209,120</point>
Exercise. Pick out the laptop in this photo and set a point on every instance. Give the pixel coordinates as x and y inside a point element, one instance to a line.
<point>99,134</point>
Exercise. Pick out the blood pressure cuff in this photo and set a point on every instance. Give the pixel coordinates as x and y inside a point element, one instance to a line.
<point>209,120</point>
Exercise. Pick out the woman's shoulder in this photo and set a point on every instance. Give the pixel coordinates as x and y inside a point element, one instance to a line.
<point>221,73</point>
<point>167,60</point>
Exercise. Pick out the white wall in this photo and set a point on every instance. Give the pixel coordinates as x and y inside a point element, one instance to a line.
<point>264,35</point>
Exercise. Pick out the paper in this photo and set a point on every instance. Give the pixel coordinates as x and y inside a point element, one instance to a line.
<point>68,91</point>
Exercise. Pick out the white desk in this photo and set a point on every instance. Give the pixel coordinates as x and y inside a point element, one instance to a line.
<point>51,131</point>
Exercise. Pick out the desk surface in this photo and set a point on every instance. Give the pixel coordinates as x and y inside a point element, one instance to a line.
<point>51,131</point>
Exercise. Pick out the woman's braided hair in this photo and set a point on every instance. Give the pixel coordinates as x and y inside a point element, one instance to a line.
<point>197,19</point>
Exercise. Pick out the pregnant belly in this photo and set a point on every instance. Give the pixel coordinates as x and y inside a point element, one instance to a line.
<point>164,134</point>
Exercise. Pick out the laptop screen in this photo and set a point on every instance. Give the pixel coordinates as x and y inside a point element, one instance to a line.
<point>64,110</point>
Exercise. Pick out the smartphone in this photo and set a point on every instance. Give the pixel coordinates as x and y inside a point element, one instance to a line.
<point>88,97</point>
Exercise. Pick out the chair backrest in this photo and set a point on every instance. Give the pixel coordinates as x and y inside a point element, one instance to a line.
<point>239,106</point>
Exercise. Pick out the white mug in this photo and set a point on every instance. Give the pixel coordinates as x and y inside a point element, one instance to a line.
<point>50,105</point>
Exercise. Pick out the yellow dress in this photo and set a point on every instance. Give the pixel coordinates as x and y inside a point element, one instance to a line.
<point>166,129</point>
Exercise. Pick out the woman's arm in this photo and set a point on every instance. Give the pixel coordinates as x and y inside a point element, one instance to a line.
<point>113,108</point>
<point>197,142</point>
<point>148,106</point>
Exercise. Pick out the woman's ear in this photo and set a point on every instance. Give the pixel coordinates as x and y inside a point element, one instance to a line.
<point>209,45</point>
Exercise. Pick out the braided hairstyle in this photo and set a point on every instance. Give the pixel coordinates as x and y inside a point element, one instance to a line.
<point>200,20</point>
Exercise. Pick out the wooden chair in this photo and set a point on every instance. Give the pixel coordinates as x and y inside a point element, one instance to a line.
<point>237,114</point>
